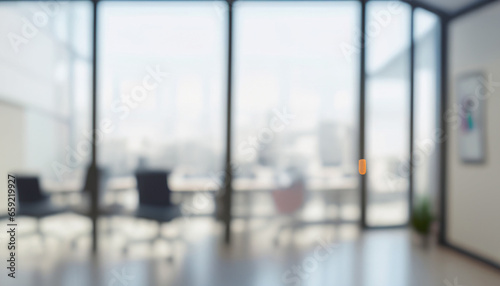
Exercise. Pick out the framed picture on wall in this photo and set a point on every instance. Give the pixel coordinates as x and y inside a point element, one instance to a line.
<point>471,109</point>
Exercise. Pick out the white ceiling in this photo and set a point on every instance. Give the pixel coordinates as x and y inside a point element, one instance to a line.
<point>449,6</point>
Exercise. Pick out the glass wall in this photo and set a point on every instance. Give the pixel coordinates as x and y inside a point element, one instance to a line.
<point>295,107</point>
<point>162,90</point>
<point>45,92</point>
<point>162,98</point>
<point>426,156</point>
<point>387,111</point>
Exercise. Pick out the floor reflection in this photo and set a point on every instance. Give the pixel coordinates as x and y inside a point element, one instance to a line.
<point>313,255</point>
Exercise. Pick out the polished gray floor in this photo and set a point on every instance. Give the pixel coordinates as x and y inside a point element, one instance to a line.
<point>315,255</point>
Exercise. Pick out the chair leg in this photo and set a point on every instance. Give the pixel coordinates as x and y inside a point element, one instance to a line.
<point>158,237</point>
<point>38,230</point>
<point>125,248</point>
<point>170,256</point>
<point>158,234</point>
<point>153,240</point>
<point>169,242</point>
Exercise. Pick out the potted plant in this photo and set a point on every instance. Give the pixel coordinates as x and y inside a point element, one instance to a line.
<point>422,218</point>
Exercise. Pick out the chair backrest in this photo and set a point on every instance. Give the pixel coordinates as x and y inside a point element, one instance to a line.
<point>153,188</point>
<point>28,189</point>
<point>291,199</point>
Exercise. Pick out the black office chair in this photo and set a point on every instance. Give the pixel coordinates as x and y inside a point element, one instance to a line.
<point>33,202</point>
<point>154,201</point>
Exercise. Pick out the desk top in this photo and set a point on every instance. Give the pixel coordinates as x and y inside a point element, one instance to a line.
<point>125,183</point>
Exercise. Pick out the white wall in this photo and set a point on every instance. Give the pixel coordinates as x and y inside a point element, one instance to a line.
<point>473,204</point>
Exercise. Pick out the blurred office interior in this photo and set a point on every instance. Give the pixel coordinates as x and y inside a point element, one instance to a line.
<point>217,142</point>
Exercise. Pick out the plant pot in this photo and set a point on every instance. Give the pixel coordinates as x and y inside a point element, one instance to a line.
<point>425,240</point>
<point>421,240</point>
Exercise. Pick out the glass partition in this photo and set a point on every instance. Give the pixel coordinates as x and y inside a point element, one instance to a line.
<point>162,91</point>
<point>295,107</point>
<point>162,99</point>
<point>427,70</point>
<point>387,111</point>
<point>45,92</point>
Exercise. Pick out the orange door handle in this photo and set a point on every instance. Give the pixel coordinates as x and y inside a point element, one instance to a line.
<point>362,166</point>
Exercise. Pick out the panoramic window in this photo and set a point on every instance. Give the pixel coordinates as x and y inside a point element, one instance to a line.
<point>45,91</point>
<point>162,91</point>
<point>295,106</point>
